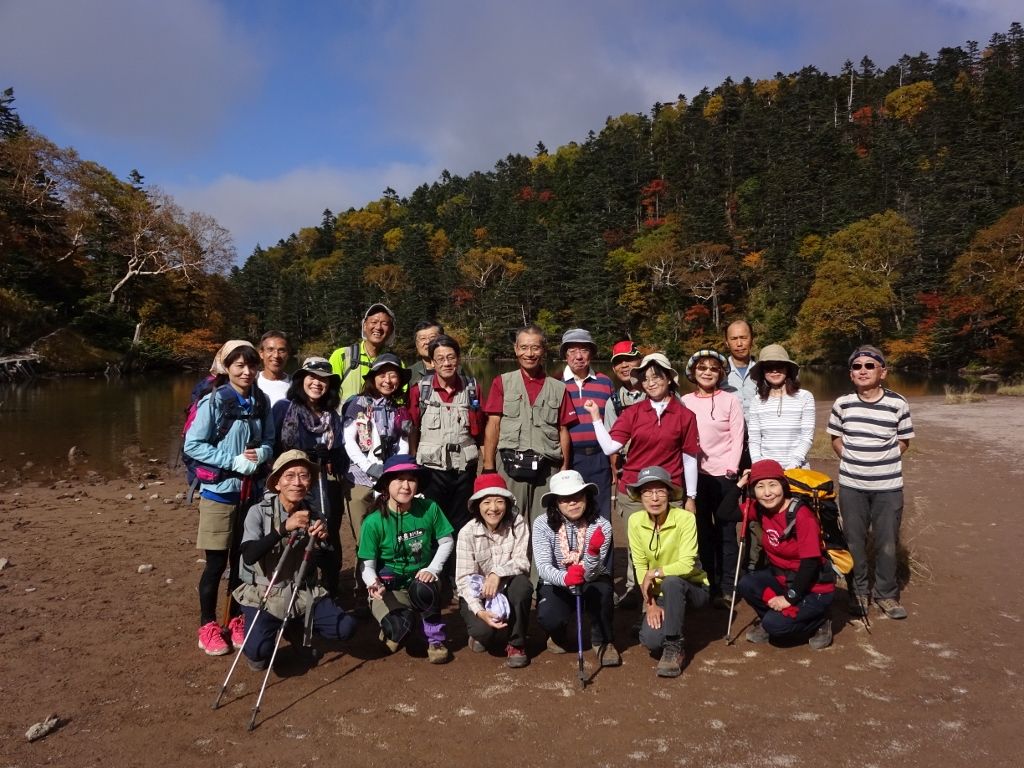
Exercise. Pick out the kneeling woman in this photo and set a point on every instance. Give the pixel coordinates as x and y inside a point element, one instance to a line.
<point>663,542</point>
<point>792,596</point>
<point>570,549</point>
<point>492,569</point>
<point>404,544</point>
<point>268,526</point>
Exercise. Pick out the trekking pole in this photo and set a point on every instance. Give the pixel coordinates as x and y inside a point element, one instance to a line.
<point>239,516</point>
<point>307,557</point>
<point>263,604</point>
<point>578,591</point>
<point>729,639</point>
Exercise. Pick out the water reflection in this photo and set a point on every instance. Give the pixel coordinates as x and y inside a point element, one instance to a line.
<point>113,421</point>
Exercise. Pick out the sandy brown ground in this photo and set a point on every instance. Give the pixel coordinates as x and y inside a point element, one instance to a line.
<point>113,652</point>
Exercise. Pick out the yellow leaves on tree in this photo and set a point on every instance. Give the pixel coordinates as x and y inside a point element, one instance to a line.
<point>714,107</point>
<point>393,239</point>
<point>438,245</point>
<point>853,296</point>
<point>491,267</point>
<point>363,222</point>
<point>389,279</point>
<point>910,101</point>
<point>767,90</point>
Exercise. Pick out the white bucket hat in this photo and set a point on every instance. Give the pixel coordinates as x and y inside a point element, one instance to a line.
<point>566,483</point>
<point>655,358</point>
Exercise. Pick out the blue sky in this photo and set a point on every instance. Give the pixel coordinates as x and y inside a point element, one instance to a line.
<point>265,113</point>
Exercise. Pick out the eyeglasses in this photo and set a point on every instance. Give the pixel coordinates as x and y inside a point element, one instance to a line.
<point>446,359</point>
<point>295,478</point>
<point>653,490</point>
<point>712,368</point>
<point>865,366</point>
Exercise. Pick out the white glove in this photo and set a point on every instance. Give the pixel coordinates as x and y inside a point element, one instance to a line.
<point>243,466</point>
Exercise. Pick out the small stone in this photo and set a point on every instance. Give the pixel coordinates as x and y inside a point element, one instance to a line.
<point>168,501</point>
<point>30,589</point>
<point>168,581</point>
<point>179,497</point>
<point>158,482</point>
<point>142,486</point>
<point>3,563</point>
<point>154,496</point>
<point>129,496</point>
<point>146,568</point>
<point>147,508</point>
<point>44,728</point>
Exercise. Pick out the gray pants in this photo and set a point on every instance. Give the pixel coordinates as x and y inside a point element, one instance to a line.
<point>626,507</point>
<point>676,594</point>
<point>881,513</point>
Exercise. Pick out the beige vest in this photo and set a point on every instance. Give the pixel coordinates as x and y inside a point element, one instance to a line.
<point>445,442</point>
<point>534,427</point>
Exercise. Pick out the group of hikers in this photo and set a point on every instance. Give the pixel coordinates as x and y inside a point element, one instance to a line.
<point>509,498</point>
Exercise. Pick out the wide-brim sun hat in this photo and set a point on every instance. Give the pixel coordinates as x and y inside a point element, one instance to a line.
<point>773,353</point>
<point>655,358</point>
<point>577,337</point>
<point>491,484</point>
<point>319,367</point>
<point>289,459</point>
<point>385,359</point>
<point>400,462</point>
<point>692,362</point>
<point>568,482</point>
<point>650,475</point>
<point>375,309</point>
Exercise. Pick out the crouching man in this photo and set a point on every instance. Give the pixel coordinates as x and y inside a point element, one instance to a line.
<point>274,539</point>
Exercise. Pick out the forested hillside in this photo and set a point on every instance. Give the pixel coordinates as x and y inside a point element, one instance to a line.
<point>875,204</point>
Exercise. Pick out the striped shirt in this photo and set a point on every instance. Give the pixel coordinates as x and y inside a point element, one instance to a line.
<point>781,428</point>
<point>596,387</point>
<point>871,435</point>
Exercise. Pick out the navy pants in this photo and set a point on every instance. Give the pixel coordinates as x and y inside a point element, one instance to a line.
<point>812,611</point>
<point>556,610</point>
<point>328,621</point>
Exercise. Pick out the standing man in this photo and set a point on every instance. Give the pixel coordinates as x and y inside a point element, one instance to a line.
<point>274,350</point>
<point>740,339</point>
<point>582,384</point>
<point>424,333</point>
<point>625,359</point>
<point>870,430</point>
<point>528,418</point>
<point>353,362</point>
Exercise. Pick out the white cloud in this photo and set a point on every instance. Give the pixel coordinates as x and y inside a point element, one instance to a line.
<point>263,211</point>
<point>161,74</point>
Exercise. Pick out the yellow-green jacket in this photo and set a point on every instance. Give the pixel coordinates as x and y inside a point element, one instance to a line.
<point>673,548</point>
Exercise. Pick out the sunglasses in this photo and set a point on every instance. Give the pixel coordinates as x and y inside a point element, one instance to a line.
<point>320,368</point>
<point>865,366</point>
<point>712,368</point>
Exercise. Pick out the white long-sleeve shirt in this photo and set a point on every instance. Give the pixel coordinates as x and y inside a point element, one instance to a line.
<point>782,428</point>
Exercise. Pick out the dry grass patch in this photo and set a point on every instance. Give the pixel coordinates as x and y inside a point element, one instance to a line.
<point>1013,388</point>
<point>969,394</point>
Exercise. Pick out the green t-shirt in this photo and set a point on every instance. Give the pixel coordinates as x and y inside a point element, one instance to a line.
<point>404,543</point>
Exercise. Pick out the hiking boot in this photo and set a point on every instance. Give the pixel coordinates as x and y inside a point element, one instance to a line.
<point>237,629</point>
<point>438,653</point>
<point>211,640</point>
<point>476,646</point>
<point>723,602</point>
<point>671,662</point>
<point>607,656</point>
<point>554,646</point>
<point>822,639</point>
<point>391,644</point>
<point>517,657</point>
<point>891,607</point>
<point>257,666</point>
<point>758,634</point>
<point>857,606</point>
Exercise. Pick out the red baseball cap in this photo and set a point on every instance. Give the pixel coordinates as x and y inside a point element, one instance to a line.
<point>625,349</point>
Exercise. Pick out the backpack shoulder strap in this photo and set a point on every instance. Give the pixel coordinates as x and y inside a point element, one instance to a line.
<point>616,402</point>
<point>426,386</point>
<point>794,505</point>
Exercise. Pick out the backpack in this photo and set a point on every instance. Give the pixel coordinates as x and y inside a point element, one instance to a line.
<point>816,491</point>
<point>197,472</point>
<point>426,385</point>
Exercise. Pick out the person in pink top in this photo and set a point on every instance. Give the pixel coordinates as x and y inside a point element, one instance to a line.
<point>720,427</point>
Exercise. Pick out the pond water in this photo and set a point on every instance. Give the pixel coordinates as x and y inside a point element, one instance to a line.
<point>121,421</point>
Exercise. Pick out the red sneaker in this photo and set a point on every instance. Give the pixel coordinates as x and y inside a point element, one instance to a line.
<point>237,629</point>
<point>211,641</point>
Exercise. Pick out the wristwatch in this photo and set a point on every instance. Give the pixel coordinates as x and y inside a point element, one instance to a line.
<point>791,596</point>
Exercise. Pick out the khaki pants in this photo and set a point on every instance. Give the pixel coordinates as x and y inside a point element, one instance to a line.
<point>626,507</point>
<point>528,497</point>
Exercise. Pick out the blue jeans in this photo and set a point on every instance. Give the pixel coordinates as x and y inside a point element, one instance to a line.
<point>328,621</point>
<point>812,611</point>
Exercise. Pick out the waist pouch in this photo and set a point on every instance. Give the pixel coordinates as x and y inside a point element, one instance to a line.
<point>527,466</point>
